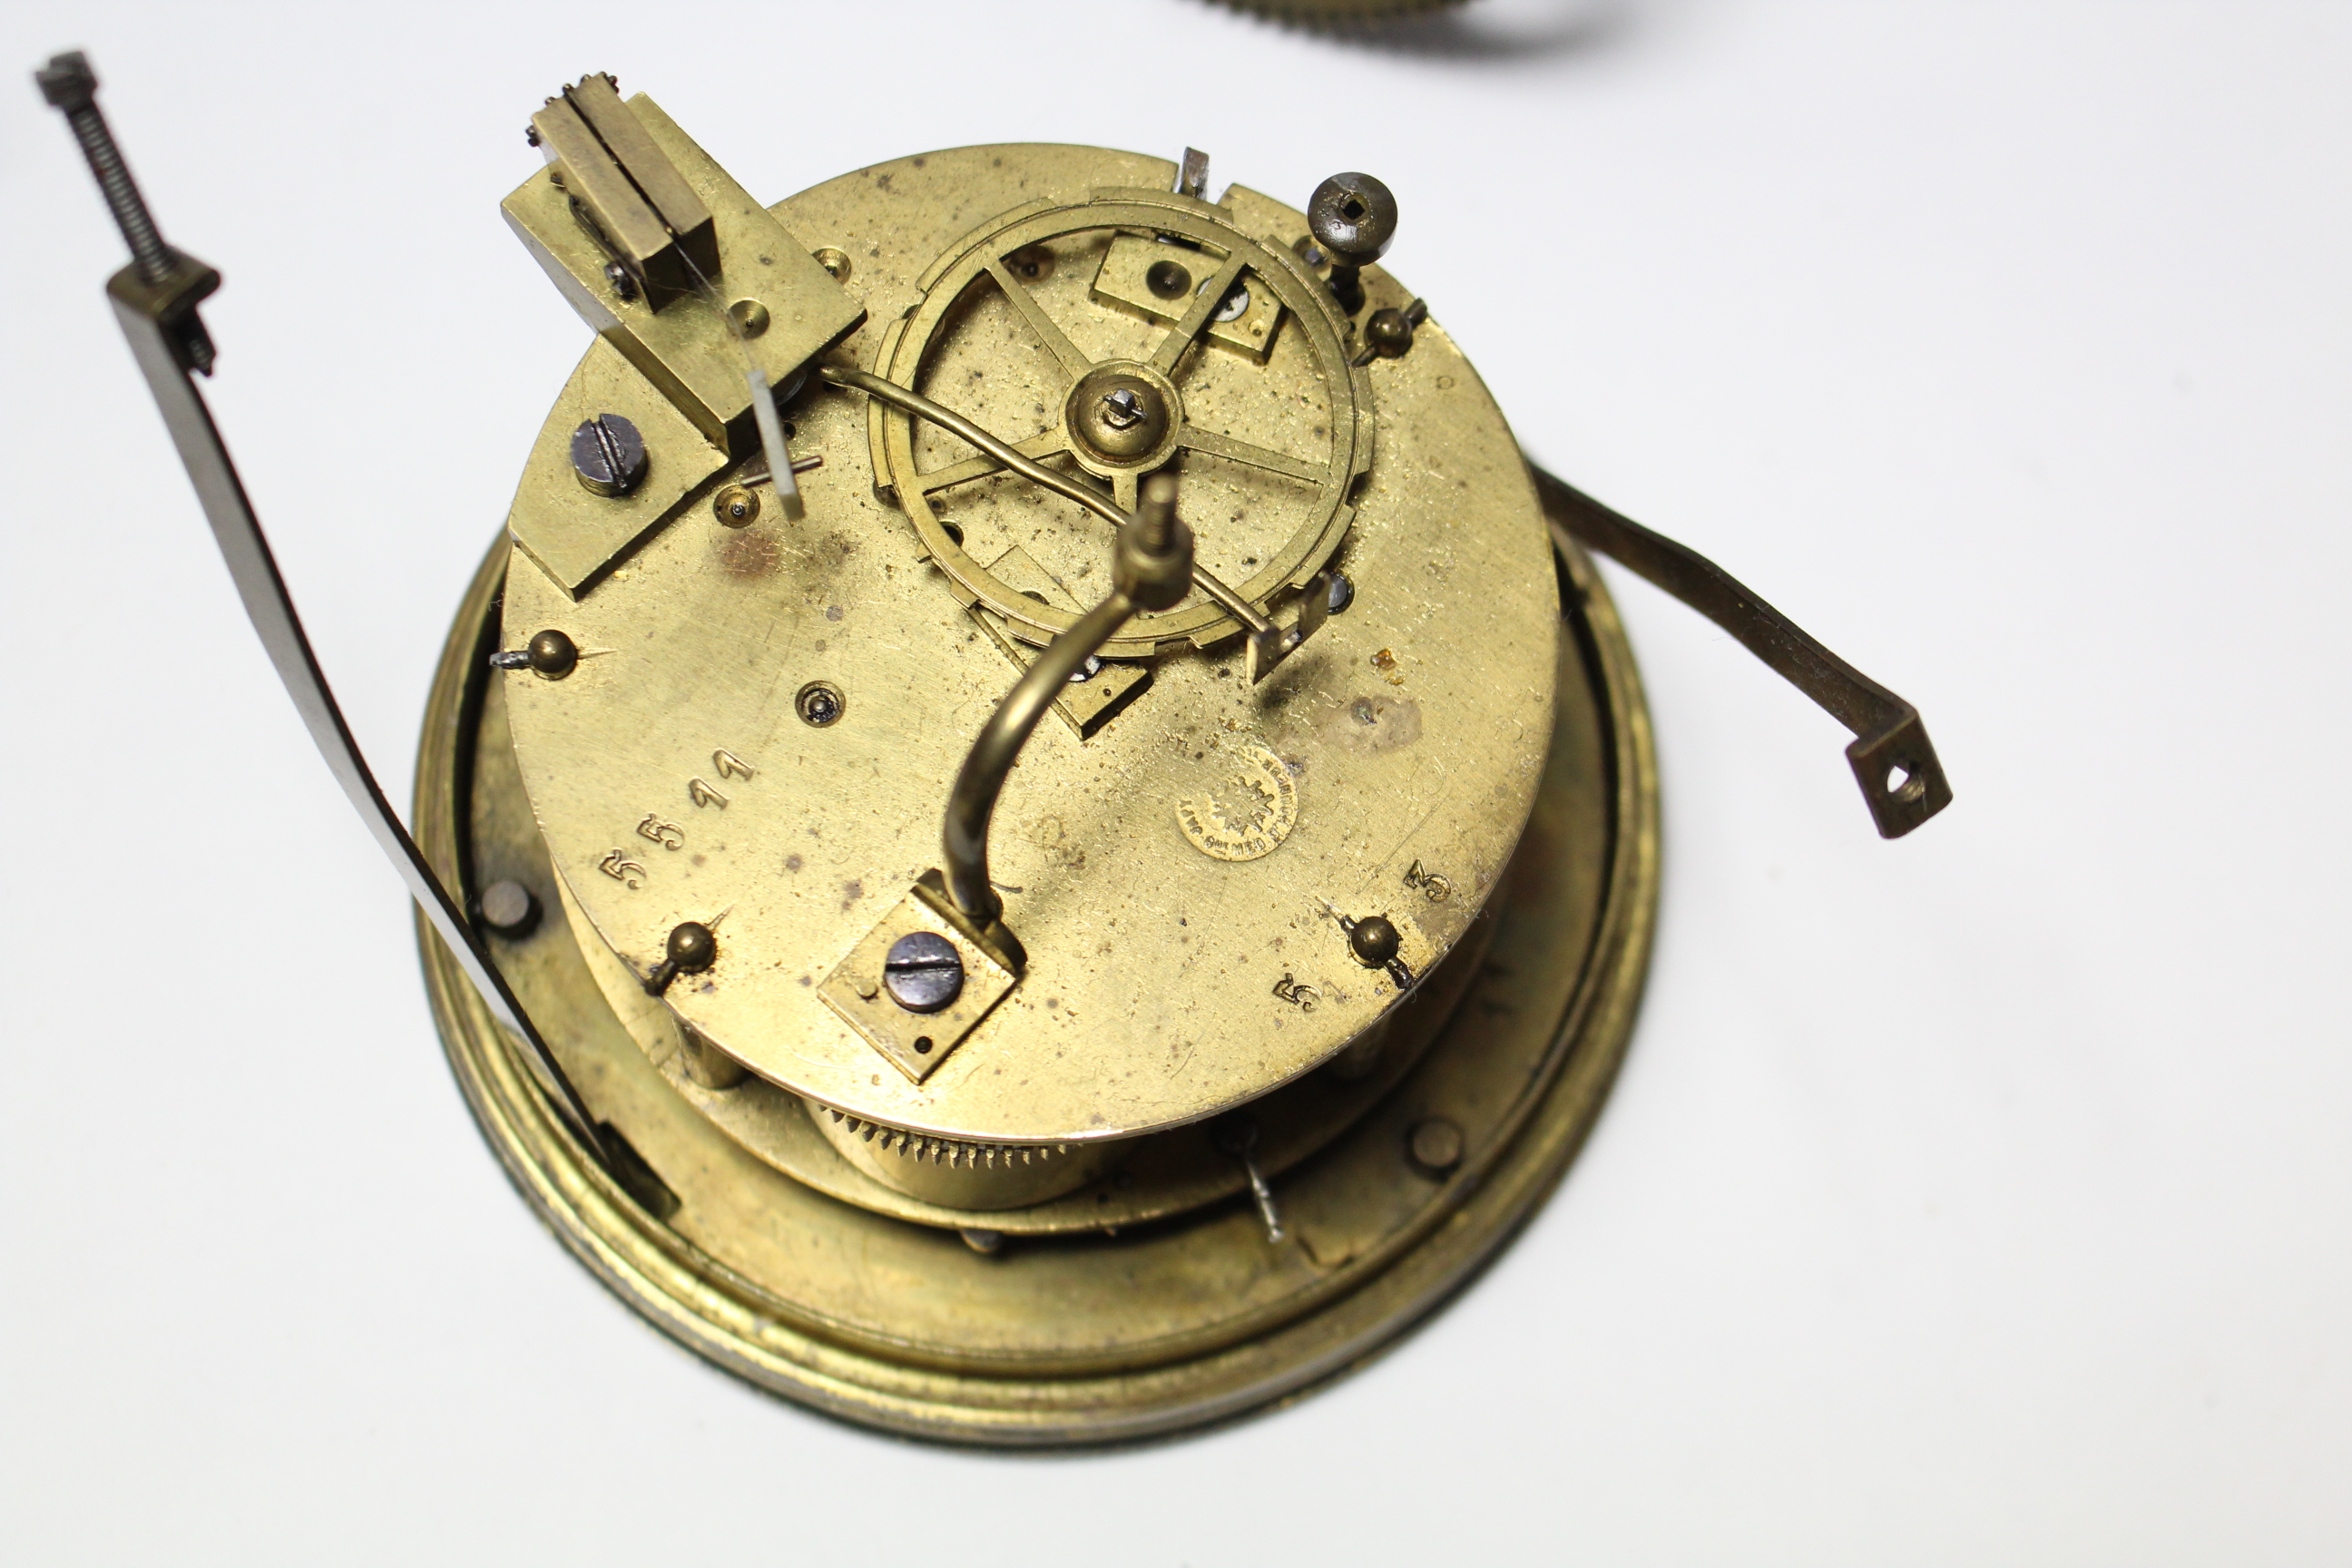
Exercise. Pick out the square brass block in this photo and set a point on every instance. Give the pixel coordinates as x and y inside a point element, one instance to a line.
<point>1124,280</point>
<point>917,1042</point>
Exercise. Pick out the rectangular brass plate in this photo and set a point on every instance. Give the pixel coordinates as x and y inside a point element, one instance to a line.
<point>576,536</point>
<point>1121,282</point>
<point>915,1043</point>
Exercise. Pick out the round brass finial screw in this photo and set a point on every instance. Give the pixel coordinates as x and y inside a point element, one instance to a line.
<point>1375,940</point>
<point>553,655</point>
<point>693,947</point>
<point>1389,332</point>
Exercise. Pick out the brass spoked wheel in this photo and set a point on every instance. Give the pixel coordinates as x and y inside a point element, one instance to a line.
<point>1137,332</point>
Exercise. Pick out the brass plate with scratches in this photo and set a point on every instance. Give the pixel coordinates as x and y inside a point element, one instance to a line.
<point>1248,323</point>
<point>1162,882</point>
<point>1093,1338</point>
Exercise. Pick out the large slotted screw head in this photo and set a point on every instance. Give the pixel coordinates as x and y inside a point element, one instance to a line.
<point>608,455</point>
<point>923,971</point>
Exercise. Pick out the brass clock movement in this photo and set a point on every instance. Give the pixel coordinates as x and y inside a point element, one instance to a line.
<point>1037,829</point>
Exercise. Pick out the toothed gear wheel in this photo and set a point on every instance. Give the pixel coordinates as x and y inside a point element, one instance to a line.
<point>951,1151</point>
<point>1210,351</point>
<point>1340,13</point>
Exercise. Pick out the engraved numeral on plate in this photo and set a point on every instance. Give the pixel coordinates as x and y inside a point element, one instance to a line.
<point>621,868</point>
<point>732,766</point>
<point>1433,888</point>
<point>668,834</point>
<point>700,792</point>
<point>1303,996</point>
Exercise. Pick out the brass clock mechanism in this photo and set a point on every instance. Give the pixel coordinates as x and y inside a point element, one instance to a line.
<point>1037,829</point>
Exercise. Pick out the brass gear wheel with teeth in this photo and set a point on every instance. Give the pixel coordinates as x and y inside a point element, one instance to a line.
<point>1279,423</point>
<point>951,1151</point>
<point>1341,13</point>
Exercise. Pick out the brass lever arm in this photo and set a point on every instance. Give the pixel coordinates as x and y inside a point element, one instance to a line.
<point>973,802</point>
<point>1894,761</point>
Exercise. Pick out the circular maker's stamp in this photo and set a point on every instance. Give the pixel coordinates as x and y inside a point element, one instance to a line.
<point>1247,811</point>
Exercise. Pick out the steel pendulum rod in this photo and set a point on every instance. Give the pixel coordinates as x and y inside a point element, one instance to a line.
<point>158,316</point>
<point>1894,761</point>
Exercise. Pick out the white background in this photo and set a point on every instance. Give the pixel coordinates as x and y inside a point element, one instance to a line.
<point>1984,1198</point>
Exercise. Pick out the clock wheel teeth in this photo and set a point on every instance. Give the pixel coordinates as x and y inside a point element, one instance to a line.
<point>951,1151</point>
<point>1340,14</point>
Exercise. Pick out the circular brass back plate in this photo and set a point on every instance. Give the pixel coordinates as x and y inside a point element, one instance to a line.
<point>1178,875</point>
<point>1080,1339</point>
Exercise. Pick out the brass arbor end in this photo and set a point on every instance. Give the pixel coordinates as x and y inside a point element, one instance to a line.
<point>1152,560</point>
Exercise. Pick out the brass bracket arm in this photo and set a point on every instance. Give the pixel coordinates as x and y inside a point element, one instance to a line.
<point>973,802</point>
<point>158,317</point>
<point>1894,761</point>
<point>1151,567</point>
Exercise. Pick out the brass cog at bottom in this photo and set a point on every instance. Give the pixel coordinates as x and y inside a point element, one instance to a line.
<point>1092,1338</point>
<point>949,1151</point>
<point>1341,13</point>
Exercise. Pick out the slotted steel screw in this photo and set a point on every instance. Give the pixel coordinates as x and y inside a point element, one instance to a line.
<point>923,971</point>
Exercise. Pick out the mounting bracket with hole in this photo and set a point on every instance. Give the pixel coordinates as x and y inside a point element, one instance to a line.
<point>1894,761</point>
